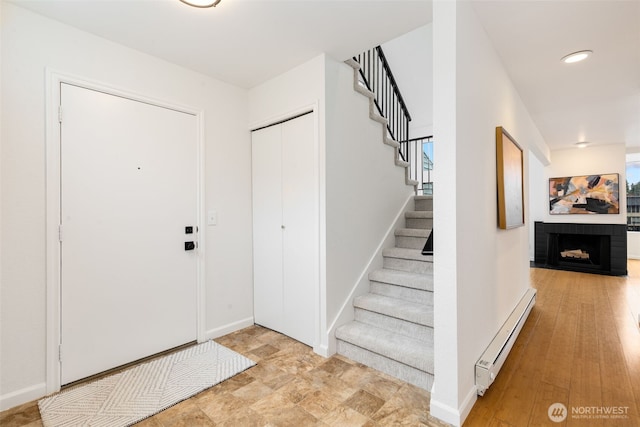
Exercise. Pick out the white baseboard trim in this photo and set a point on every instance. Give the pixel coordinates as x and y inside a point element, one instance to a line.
<point>468,402</point>
<point>25,395</point>
<point>444,412</point>
<point>228,328</point>
<point>323,350</point>
<point>452,415</point>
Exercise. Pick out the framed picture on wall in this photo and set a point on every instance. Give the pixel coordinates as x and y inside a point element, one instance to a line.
<point>510,177</point>
<point>584,194</point>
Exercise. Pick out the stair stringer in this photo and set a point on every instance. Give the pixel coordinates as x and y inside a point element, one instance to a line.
<point>375,116</point>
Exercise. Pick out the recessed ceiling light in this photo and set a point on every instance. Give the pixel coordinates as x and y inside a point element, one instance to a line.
<point>582,144</point>
<point>201,3</point>
<point>576,56</point>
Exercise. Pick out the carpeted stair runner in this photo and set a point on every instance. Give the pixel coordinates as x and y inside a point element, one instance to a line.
<point>393,326</point>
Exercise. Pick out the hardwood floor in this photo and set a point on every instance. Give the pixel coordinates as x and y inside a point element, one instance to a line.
<point>579,347</point>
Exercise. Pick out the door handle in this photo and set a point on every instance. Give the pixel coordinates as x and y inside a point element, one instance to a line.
<point>189,246</point>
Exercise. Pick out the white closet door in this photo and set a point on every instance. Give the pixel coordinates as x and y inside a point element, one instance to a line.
<point>267,227</point>
<point>285,228</point>
<point>300,236</point>
<point>129,188</point>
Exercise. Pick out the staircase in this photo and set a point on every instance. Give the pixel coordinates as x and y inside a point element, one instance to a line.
<point>393,327</point>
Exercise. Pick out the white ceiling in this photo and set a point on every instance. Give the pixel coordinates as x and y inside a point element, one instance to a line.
<point>246,42</point>
<point>597,100</point>
<point>243,42</point>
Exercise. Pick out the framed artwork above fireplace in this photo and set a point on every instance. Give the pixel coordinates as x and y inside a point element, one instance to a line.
<point>584,194</point>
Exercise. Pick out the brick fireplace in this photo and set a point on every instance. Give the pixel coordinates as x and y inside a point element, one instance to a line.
<point>589,248</point>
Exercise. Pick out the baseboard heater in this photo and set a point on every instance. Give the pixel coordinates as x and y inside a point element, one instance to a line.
<point>491,361</point>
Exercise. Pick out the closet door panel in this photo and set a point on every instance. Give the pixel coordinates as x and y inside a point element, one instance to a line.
<point>300,235</point>
<point>267,227</point>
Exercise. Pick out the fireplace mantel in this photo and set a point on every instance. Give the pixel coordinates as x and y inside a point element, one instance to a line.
<point>608,240</point>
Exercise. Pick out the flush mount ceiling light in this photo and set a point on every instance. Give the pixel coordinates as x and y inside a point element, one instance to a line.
<point>582,144</point>
<point>576,56</point>
<point>201,3</point>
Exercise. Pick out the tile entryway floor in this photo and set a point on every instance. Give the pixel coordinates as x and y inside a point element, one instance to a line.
<point>290,386</point>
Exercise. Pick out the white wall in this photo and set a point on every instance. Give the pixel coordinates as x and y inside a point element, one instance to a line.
<point>633,244</point>
<point>633,237</point>
<point>481,272</point>
<point>31,43</point>
<point>538,198</point>
<point>410,57</point>
<point>2,297</point>
<point>288,93</point>
<point>1,186</point>
<point>602,159</point>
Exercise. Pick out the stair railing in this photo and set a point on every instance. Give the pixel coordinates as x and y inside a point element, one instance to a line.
<point>376,75</point>
<point>421,171</point>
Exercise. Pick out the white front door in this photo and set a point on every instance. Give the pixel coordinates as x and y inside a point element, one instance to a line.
<point>128,190</point>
